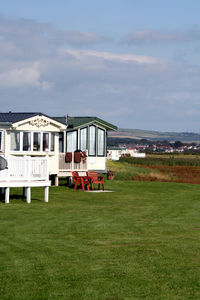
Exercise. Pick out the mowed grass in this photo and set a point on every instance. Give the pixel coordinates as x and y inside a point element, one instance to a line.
<point>139,242</point>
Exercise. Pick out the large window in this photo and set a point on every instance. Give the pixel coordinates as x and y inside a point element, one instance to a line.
<point>26,141</point>
<point>45,143</point>
<point>101,142</point>
<point>15,141</point>
<point>83,140</point>
<point>72,141</point>
<point>32,141</point>
<point>52,142</point>
<point>1,140</point>
<point>92,142</point>
<point>36,141</point>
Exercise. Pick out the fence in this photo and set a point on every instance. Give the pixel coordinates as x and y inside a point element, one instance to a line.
<point>26,168</point>
<point>71,166</point>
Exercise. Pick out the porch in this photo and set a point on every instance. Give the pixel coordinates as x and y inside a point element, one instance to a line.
<point>66,168</point>
<point>25,172</point>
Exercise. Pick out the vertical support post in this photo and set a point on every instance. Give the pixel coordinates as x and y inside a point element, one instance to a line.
<point>28,194</point>
<point>24,192</point>
<point>56,180</point>
<point>46,194</point>
<point>7,194</point>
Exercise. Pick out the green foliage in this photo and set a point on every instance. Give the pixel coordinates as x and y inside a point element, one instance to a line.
<point>125,171</point>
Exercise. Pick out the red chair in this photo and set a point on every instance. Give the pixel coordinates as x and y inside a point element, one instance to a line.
<point>95,179</point>
<point>80,180</point>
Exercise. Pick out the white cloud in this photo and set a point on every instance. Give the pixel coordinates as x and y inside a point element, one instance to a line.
<point>150,36</point>
<point>24,77</point>
<point>124,58</point>
<point>130,90</point>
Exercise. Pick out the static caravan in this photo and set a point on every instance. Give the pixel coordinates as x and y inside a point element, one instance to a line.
<point>71,143</point>
<point>30,134</point>
<point>88,136</point>
<point>114,153</point>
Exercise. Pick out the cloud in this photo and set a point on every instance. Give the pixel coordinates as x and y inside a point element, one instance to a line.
<point>44,69</point>
<point>108,56</point>
<point>150,36</point>
<point>22,78</point>
<point>24,32</point>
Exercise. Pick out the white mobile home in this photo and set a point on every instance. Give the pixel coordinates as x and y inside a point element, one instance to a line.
<point>77,143</point>
<point>87,135</point>
<point>30,134</point>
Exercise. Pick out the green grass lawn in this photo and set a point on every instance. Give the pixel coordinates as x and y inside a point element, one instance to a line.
<point>139,242</point>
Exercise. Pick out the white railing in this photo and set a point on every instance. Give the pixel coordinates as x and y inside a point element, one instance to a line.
<point>26,168</point>
<point>72,166</point>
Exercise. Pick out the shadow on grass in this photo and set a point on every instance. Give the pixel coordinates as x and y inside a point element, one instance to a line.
<point>19,197</point>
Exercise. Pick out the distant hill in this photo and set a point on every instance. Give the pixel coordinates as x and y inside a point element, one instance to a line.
<point>138,134</point>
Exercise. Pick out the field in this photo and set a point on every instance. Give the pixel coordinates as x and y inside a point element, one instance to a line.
<point>170,168</point>
<point>139,242</point>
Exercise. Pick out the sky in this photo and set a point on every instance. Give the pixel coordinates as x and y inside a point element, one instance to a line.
<point>133,63</point>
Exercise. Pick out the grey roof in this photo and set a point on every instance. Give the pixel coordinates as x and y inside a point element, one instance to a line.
<point>13,117</point>
<point>72,122</point>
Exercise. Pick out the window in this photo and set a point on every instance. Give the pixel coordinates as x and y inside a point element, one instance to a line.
<point>32,141</point>
<point>26,141</point>
<point>36,141</point>
<point>14,141</point>
<point>1,140</point>
<point>52,142</point>
<point>92,143</point>
<point>83,142</point>
<point>71,141</point>
<point>61,141</point>
<point>45,144</point>
<point>101,142</point>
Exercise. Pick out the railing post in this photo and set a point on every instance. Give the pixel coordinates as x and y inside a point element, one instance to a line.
<point>28,195</point>
<point>29,169</point>
<point>46,194</point>
<point>47,167</point>
<point>7,194</point>
<point>72,161</point>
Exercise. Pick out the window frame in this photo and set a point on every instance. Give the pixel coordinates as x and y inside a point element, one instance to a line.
<point>40,141</point>
<point>95,145</point>
<point>52,135</point>
<point>104,142</point>
<point>76,140</point>
<point>41,133</point>
<point>86,138</point>
<point>29,135</point>
<point>15,132</point>
<point>61,140</point>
